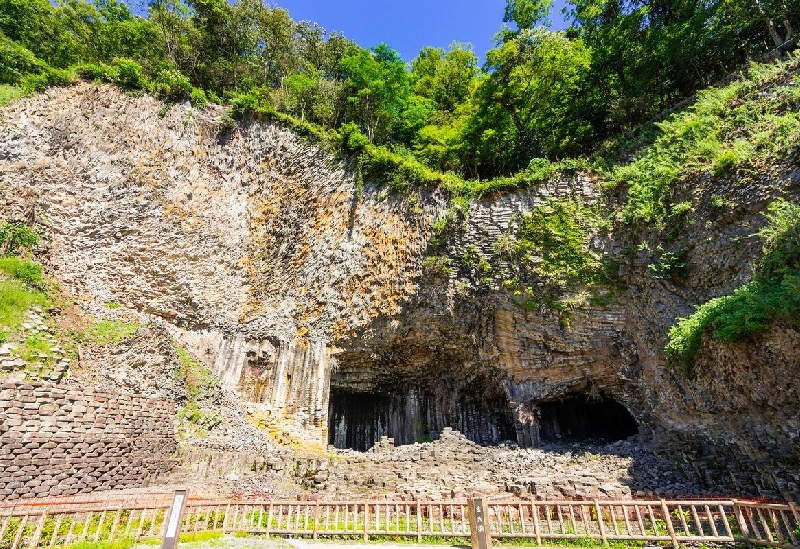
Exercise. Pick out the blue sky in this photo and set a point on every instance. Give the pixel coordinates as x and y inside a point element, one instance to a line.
<point>406,25</point>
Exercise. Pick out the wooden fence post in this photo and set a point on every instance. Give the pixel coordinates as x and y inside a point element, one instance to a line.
<point>39,527</point>
<point>366,521</point>
<point>225,520</point>
<point>793,509</point>
<point>419,522</point>
<point>479,529</point>
<point>535,514</point>
<point>741,520</point>
<point>316,521</point>
<point>668,520</point>
<point>599,513</point>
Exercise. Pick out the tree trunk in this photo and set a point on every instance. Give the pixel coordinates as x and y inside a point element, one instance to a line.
<point>789,29</point>
<point>776,38</point>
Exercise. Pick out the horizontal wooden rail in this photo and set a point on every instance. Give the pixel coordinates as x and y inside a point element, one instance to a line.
<point>31,526</point>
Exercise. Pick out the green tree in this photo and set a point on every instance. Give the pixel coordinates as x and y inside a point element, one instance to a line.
<point>447,78</point>
<point>378,85</point>
<point>529,105</point>
<point>527,14</point>
<point>34,25</point>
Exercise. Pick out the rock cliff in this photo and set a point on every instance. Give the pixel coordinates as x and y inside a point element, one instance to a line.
<point>340,312</point>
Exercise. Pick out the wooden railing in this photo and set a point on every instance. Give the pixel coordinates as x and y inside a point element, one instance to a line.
<point>26,526</point>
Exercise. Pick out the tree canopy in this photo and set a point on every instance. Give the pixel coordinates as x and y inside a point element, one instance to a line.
<point>541,94</point>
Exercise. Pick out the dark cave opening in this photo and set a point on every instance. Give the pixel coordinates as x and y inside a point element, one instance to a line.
<point>578,418</point>
<point>412,414</point>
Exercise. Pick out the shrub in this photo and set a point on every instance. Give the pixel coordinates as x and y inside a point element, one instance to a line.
<point>553,240</point>
<point>127,74</point>
<point>16,237</point>
<point>198,98</point>
<point>27,271</point>
<point>17,62</point>
<point>252,103</point>
<point>350,138</point>
<point>49,78</point>
<point>93,71</point>
<point>725,162</point>
<point>773,294</point>
<point>437,266</point>
<point>669,264</point>
<point>170,84</point>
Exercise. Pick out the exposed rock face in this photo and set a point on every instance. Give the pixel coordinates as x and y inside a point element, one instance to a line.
<point>304,294</point>
<point>212,233</point>
<point>450,467</point>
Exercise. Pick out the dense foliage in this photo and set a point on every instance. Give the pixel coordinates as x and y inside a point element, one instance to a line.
<point>540,95</point>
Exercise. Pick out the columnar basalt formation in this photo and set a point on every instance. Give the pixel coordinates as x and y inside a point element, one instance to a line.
<point>304,290</point>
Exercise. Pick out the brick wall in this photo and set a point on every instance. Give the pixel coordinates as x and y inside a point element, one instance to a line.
<point>57,440</point>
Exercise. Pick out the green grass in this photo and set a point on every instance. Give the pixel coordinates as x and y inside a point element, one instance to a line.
<point>108,332</point>
<point>772,295</point>
<point>15,300</point>
<point>122,543</point>
<point>200,384</point>
<point>437,266</point>
<point>10,93</point>
<point>727,129</point>
<point>25,270</point>
<point>34,348</point>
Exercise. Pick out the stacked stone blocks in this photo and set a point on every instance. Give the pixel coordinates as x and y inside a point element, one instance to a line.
<point>57,440</point>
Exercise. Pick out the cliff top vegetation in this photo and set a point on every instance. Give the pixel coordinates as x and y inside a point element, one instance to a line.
<point>544,100</point>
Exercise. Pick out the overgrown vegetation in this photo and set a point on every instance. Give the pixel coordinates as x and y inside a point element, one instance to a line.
<point>24,270</point>
<point>200,385</point>
<point>728,128</point>
<point>544,103</point>
<point>541,97</point>
<point>16,298</point>
<point>20,278</point>
<point>553,243</point>
<point>16,238</point>
<point>107,332</point>
<point>773,294</point>
<point>552,260</point>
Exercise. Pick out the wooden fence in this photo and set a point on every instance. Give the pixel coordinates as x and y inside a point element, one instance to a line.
<point>28,526</point>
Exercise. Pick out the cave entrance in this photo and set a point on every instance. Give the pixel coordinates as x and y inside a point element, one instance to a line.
<point>578,418</point>
<point>415,414</point>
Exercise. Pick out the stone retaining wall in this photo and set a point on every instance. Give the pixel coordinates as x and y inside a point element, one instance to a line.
<point>57,440</point>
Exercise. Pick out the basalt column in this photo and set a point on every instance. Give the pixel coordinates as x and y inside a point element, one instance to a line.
<point>417,412</point>
<point>286,382</point>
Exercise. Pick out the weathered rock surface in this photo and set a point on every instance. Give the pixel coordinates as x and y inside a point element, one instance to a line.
<point>304,294</point>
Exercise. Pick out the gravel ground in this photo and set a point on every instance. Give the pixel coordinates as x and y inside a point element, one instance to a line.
<point>230,542</point>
